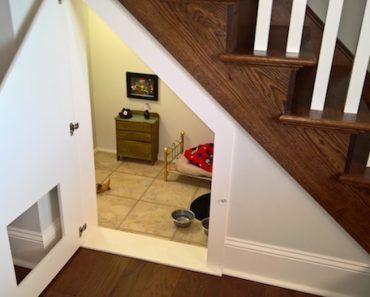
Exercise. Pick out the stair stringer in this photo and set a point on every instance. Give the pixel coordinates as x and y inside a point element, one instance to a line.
<point>225,127</point>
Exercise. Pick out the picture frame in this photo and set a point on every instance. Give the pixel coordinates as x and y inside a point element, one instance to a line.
<point>142,86</point>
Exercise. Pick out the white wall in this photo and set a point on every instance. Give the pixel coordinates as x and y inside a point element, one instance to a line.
<point>15,18</point>
<point>269,206</point>
<point>48,208</point>
<point>7,45</point>
<point>23,12</point>
<point>29,220</point>
<point>110,58</point>
<point>40,216</point>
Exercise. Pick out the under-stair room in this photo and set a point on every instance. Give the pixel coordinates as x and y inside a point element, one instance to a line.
<point>153,155</point>
<point>185,148</point>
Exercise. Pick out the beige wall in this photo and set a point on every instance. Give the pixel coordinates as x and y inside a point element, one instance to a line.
<point>110,58</point>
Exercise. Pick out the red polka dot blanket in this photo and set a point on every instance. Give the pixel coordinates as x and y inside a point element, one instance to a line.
<point>201,156</point>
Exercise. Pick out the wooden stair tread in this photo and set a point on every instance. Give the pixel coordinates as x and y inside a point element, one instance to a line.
<point>358,175</point>
<point>276,54</point>
<point>332,116</point>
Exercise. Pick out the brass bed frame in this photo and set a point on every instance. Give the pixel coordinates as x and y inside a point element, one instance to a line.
<point>171,153</point>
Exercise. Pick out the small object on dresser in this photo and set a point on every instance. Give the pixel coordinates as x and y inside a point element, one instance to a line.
<point>146,111</point>
<point>125,113</point>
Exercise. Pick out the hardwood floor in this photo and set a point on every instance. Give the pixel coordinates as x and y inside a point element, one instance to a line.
<point>92,273</point>
<point>21,273</point>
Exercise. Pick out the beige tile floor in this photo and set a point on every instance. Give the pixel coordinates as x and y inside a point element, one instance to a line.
<point>140,201</point>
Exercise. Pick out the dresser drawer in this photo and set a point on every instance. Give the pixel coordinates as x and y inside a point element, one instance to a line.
<point>134,149</point>
<point>133,135</point>
<point>134,126</point>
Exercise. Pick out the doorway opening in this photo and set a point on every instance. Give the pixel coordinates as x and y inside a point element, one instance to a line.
<point>34,233</point>
<point>140,183</point>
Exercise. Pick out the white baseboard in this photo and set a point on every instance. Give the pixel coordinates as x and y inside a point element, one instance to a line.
<point>297,270</point>
<point>52,234</point>
<point>104,150</point>
<point>23,263</point>
<point>25,235</point>
<point>147,248</point>
<point>29,247</point>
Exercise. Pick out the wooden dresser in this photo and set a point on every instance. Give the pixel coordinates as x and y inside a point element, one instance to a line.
<point>137,137</point>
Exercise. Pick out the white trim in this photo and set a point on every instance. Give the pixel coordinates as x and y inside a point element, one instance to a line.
<point>161,251</point>
<point>27,235</point>
<point>104,150</point>
<point>99,149</point>
<point>43,239</point>
<point>51,233</point>
<point>31,239</point>
<point>23,263</point>
<point>296,270</point>
<point>298,255</point>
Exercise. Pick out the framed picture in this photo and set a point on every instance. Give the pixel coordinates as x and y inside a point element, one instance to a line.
<point>142,86</point>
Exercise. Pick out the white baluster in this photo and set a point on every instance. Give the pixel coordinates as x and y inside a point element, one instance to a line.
<point>296,26</point>
<point>327,53</point>
<point>359,66</point>
<point>263,25</point>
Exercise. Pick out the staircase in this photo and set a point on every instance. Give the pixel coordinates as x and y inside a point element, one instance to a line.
<point>284,76</point>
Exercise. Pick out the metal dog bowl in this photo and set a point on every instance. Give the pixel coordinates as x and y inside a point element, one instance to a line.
<point>205,225</point>
<point>182,217</point>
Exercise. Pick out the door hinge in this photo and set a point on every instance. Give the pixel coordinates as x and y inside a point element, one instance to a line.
<point>73,127</point>
<point>82,229</point>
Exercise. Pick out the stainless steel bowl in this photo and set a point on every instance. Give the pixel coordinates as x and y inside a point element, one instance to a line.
<point>205,225</point>
<point>183,217</point>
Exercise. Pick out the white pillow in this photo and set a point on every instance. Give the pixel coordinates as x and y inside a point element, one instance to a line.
<point>183,165</point>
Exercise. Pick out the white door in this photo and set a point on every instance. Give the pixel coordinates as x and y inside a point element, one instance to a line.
<point>37,151</point>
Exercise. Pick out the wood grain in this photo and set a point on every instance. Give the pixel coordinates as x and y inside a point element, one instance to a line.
<point>130,277</point>
<point>241,24</point>
<point>256,97</point>
<point>356,171</point>
<point>332,116</point>
<point>276,54</point>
